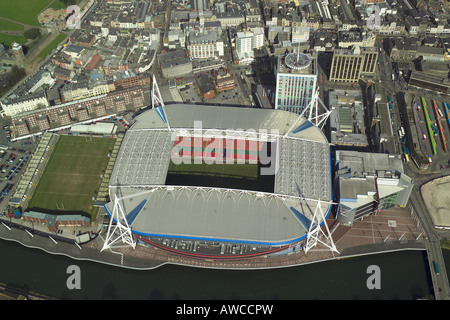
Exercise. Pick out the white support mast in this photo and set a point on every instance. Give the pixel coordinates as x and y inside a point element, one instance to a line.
<point>312,113</point>
<point>317,118</point>
<point>119,232</point>
<point>158,103</point>
<point>317,235</point>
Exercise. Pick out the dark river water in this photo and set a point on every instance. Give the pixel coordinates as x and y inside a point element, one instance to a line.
<point>404,275</point>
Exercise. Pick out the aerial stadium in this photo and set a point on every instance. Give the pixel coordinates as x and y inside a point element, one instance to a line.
<point>221,183</point>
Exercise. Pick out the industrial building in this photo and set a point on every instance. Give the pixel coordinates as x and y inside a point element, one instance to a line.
<point>429,81</point>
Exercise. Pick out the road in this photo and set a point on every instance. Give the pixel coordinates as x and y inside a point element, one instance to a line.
<point>434,250</point>
<point>432,243</point>
<point>393,146</point>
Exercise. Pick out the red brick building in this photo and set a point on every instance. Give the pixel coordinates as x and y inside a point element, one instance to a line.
<point>224,80</point>
<point>94,62</point>
<point>205,86</point>
<point>79,110</point>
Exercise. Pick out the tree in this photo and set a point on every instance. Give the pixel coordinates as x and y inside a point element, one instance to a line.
<point>14,76</point>
<point>33,33</point>
<point>69,2</point>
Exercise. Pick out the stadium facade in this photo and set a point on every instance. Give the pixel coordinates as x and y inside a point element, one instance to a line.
<point>221,222</point>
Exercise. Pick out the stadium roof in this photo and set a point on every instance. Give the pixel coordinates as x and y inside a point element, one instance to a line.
<point>152,208</point>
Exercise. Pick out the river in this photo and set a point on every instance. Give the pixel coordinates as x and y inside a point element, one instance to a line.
<point>404,276</point>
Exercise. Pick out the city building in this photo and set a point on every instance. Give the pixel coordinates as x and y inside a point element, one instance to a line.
<point>430,81</point>
<point>296,80</point>
<point>15,105</point>
<point>368,183</point>
<point>203,45</point>
<point>73,112</point>
<point>54,222</point>
<point>246,42</point>
<point>348,65</point>
<point>13,56</point>
<point>300,34</point>
<point>224,80</point>
<point>76,91</point>
<point>205,86</point>
<point>347,121</point>
<point>174,64</point>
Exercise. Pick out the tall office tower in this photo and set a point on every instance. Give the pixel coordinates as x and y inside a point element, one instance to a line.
<point>296,79</point>
<point>349,64</point>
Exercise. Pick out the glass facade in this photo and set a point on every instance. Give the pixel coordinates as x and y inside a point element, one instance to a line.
<point>294,91</point>
<point>388,201</point>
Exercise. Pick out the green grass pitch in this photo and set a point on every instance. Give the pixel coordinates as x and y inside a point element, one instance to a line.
<point>24,11</point>
<point>72,175</point>
<point>249,171</point>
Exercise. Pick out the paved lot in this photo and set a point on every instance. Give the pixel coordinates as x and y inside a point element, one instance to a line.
<point>437,201</point>
<point>373,234</point>
<point>21,149</point>
<point>394,224</point>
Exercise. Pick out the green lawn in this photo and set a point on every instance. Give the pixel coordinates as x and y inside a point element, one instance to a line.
<point>51,46</point>
<point>7,25</point>
<point>24,11</point>
<point>58,5</point>
<point>72,175</point>
<point>8,39</point>
<point>445,243</point>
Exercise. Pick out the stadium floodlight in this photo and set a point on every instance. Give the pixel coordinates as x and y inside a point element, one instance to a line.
<point>119,234</point>
<point>316,233</point>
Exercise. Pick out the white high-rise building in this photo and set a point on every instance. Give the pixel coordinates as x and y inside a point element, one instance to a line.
<point>300,34</point>
<point>296,80</point>
<point>246,41</point>
<point>258,37</point>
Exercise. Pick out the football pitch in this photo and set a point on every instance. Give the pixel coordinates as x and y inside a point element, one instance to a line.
<point>234,176</point>
<point>214,169</point>
<point>72,175</point>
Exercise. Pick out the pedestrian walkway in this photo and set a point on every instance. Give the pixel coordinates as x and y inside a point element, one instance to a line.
<point>175,95</point>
